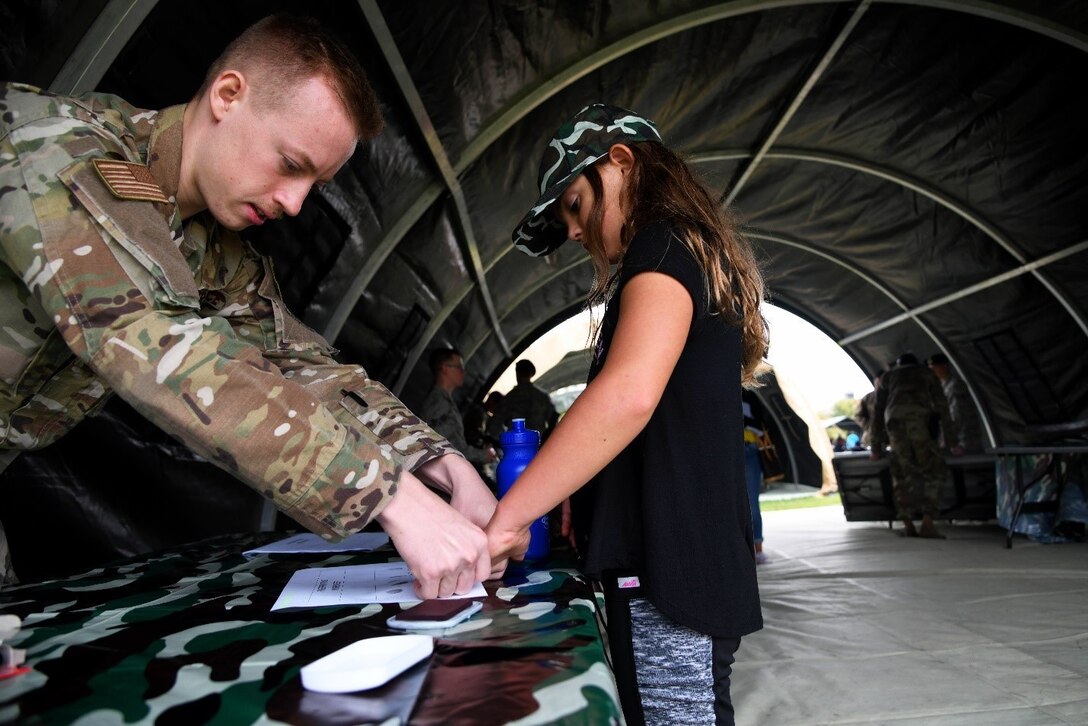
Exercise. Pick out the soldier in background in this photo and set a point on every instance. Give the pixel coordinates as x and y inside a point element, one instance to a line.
<point>441,411</point>
<point>960,406</point>
<point>864,413</point>
<point>908,401</point>
<point>121,271</point>
<point>529,402</point>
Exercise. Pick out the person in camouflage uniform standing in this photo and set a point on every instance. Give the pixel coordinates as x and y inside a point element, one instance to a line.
<point>440,410</point>
<point>908,400</point>
<point>529,402</point>
<point>121,271</point>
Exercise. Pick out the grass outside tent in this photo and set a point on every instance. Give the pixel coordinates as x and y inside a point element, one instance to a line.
<point>813,500</point>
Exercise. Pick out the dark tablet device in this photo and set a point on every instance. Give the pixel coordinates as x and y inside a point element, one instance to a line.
<point>435,614</point>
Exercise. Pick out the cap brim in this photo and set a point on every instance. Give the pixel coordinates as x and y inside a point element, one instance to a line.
<point>540,232</point>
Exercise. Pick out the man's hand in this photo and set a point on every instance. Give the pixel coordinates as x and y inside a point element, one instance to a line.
<point>472,498</point>
<point>468,493</point>
<point>445,552</point>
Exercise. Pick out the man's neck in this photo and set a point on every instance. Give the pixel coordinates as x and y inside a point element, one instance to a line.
<point>189,200</point>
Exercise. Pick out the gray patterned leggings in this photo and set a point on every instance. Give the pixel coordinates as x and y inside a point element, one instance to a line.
<point>683,675</point>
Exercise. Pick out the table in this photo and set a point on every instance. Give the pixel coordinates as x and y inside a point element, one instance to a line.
<point>865,486</point>
<point>188,637</point>
<point>1042,493</point>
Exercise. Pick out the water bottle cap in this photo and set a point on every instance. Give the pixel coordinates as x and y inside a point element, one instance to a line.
<point>518,435</point>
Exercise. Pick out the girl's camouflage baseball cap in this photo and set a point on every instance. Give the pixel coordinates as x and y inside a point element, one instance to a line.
<point>579,142</point>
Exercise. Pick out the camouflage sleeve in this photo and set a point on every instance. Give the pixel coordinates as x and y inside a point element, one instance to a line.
<point>108,273</point>
<point>255,310</point>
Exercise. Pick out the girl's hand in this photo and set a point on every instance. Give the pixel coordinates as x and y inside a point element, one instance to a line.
<point>506,542</point>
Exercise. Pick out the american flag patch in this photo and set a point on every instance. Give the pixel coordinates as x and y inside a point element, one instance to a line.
<point>128,180</point>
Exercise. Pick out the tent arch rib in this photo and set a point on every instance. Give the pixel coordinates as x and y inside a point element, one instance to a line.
<point>791,241</point>
<point>721,11</point>
<point>383,247</point>
<point>119,21</point>
<point>100,46</point>
<point>969,215</point>
<point>408,89</point>
<point>799,98</point>
<point>528,292</point>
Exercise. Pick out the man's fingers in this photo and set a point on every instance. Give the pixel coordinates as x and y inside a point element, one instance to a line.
<point>482,570</point>
<point>426,589</point>
<point>497,569</point>
<point>451,582</point>
<point>465,580</point>
<point>448,585</point>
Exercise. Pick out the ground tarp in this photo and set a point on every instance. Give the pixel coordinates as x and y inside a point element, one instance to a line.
<point>865,627</point>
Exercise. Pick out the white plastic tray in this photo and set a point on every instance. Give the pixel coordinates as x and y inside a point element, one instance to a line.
<point>366,663</point>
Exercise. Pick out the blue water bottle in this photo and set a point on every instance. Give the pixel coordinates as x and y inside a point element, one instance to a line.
<point>519,445</point>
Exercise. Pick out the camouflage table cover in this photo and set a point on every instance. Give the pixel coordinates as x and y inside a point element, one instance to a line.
<point>189,637</point>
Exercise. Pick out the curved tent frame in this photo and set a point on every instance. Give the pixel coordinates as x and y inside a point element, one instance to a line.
<point>492,328</point>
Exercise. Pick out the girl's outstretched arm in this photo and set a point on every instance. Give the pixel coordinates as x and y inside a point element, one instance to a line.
<point>654,321</point>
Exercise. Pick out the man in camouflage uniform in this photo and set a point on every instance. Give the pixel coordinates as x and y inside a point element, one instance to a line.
<point>529,402</point>
<point>440,410</point>
<point>907,402</point>
<point>121,271</point>
<point>960,406</point>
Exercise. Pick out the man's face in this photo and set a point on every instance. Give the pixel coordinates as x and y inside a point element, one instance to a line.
<point>455,371</point>
<point>263,161</point>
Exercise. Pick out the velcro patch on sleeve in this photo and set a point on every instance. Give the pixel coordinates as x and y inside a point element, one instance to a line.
<point>129,180</point>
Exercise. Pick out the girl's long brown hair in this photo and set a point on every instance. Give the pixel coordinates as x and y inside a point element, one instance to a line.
<point>661,186</point>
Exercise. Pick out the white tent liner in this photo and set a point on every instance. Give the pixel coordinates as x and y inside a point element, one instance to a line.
<point>865,627</point>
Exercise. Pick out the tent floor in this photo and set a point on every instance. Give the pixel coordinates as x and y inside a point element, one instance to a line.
<point>865,627</point>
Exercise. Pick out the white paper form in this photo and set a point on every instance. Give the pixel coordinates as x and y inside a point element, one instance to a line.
<point>354,585</point>
<point>308,542</point>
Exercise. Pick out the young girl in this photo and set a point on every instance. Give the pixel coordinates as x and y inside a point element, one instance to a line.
<point>664,524</point>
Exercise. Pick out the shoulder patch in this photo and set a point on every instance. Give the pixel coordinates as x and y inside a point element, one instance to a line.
<point>129,180</point>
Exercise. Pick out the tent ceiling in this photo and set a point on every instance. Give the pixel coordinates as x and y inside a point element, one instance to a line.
<point>913,174</point>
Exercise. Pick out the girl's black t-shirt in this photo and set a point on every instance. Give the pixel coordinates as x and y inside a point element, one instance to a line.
<point>672,507</point>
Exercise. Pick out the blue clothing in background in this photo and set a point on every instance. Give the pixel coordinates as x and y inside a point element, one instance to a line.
<point>753,475</point>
